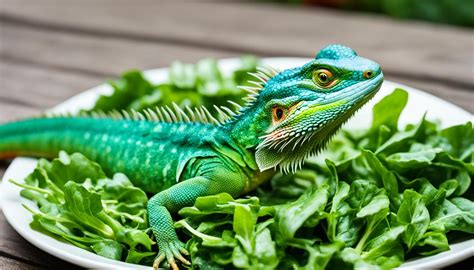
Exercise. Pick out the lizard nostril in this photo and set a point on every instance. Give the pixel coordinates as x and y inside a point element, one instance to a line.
<point>368,74</point>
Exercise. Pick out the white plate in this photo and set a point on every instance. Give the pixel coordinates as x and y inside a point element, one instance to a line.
<point>419,103</point>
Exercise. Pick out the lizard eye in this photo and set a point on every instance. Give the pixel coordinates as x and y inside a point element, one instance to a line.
<point>368,74</point>
<point>278,114</point>
<point>323,77</point>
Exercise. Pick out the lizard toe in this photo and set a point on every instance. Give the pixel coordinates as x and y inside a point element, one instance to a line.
<point>158,260</point>
<point>177,250</point>
<point>174,266</point>
<point>171,251</point>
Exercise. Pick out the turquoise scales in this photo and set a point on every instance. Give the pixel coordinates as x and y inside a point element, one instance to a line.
<point>142,145</point>
<point>181,155</point>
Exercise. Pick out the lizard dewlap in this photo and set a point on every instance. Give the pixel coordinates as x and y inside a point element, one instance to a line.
<point>182,154</point>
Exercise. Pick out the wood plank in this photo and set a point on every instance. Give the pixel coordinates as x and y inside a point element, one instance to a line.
<point>11,264</point>
<point>86,54</point>
<point>36,50</point>
<point>22,252</point>
<point>39,69</point>
<point>406,49</point>
<point>10,112</point>
<point>26,90</point>
<point>3,168</point>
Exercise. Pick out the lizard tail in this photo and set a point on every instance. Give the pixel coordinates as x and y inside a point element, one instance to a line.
<point>42,137</point>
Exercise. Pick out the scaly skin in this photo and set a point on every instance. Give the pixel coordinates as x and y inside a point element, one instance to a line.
<point>289,116</point>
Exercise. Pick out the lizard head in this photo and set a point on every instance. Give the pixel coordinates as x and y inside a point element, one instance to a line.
<point>296,111</point>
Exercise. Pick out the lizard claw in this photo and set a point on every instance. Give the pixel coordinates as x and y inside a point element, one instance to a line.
<point>184,251</point>
<point>171,251</point>
<point>157,262</point>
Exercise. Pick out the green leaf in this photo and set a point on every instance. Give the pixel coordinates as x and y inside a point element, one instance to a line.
<point>414,215</point>
<point>450,186</point>
<point>374,212</point>
<point>244,223</point>
<point>209,78</point>
<point>406,161</point>
<point>265,250</point>
<point>240,258</point>
<point>79,205</point>
<point>108,248</point>
<point>455,214</point>
<point>424,187</point>
<point>182,75</point>
<point>133,237</point>
<point>389,181</point>
<point>136,256</point>
<point>384,243</point>
<point>376,205</point>
<point>464,182</point>
<point>319,255</point>
<point>290,217</point>
<point>75,167</point>
<point>387,111</point>
<point>188,85</point>
<point>212,202</point>
<point>85,207</point>
<point>431,243</point>
<point>128,203</point>
<point>460,139</point>
<point>402,140</point>
<point>342,193</point>
<point>349,227</point>
<point>130,86</point>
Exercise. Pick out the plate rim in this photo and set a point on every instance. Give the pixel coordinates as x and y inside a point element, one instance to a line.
<point>225,63</point>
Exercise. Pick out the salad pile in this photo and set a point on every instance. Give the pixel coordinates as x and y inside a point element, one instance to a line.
<point>373,199</point>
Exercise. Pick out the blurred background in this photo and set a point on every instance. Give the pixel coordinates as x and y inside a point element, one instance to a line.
<point>456,12</point>
<point>51,50</point>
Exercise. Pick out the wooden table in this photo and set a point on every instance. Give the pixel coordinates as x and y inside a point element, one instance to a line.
<point>53,49</point>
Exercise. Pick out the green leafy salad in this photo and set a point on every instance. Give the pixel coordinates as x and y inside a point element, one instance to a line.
<point>373,199</point>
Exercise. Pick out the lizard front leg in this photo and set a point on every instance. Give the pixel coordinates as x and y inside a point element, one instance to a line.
<point>181,195</point>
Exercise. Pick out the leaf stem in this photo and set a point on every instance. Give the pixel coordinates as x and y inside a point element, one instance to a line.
<point>37,189</point>
<point>364,238</point>
<point>199,234</point>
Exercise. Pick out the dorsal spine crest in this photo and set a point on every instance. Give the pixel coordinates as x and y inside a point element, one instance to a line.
<point>177,114</point>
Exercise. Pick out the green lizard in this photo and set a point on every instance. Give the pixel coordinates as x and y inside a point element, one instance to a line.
<point>182,154</point>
